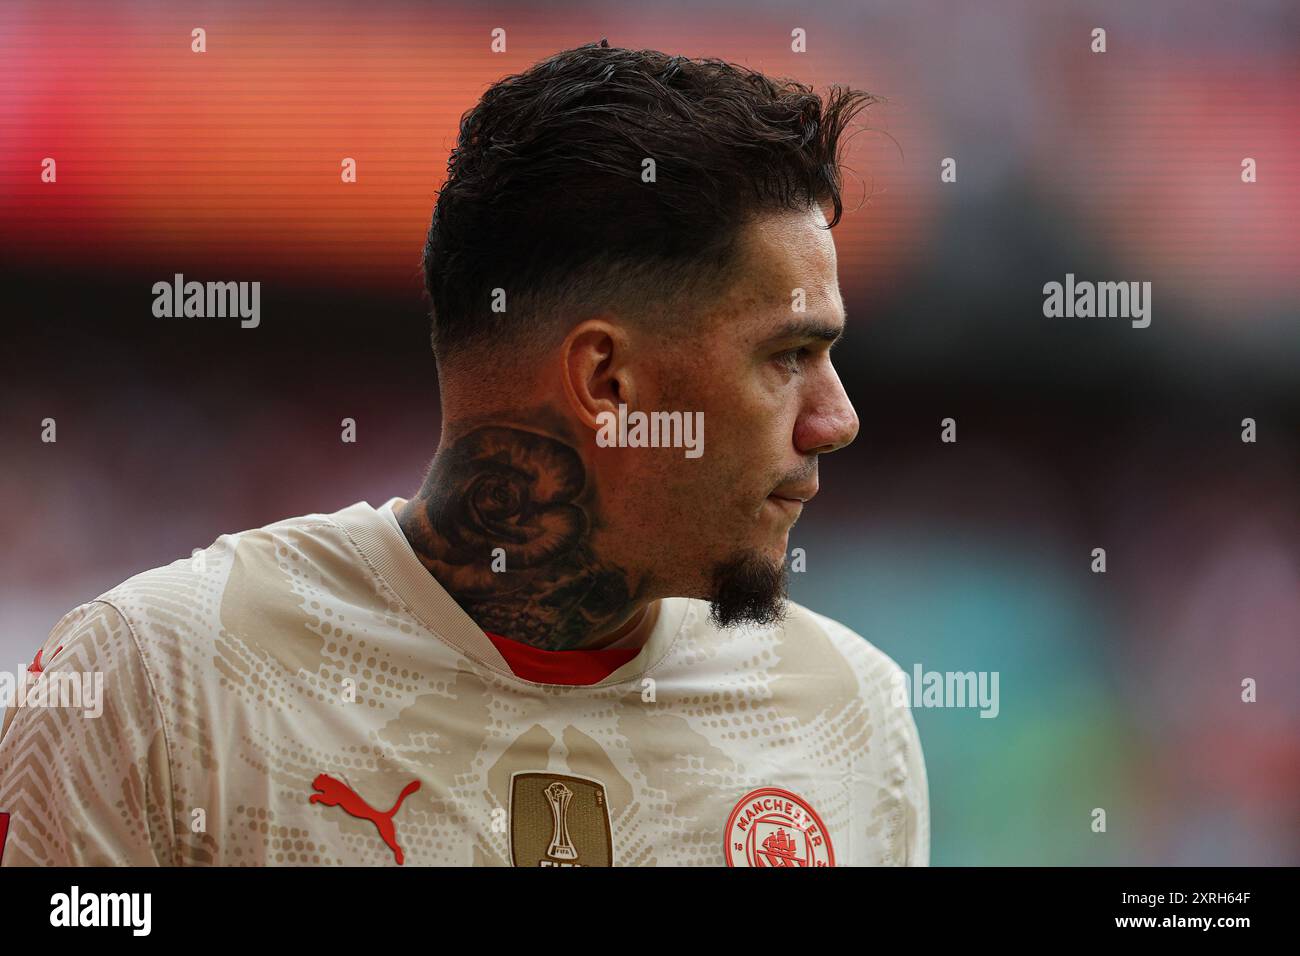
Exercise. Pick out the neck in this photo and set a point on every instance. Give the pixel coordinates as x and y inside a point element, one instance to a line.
<point>505,522</point>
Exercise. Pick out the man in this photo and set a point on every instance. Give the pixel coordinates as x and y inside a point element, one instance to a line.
<point>572,646</point>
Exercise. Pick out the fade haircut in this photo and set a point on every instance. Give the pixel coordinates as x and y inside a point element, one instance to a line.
<point>545,196</point>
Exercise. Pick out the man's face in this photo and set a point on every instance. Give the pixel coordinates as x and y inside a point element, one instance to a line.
<point>759,368</point>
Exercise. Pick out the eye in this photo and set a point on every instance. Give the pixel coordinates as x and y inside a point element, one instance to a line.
<point>789,360</point>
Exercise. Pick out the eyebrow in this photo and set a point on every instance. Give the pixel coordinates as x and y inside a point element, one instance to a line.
<point>807,329</point>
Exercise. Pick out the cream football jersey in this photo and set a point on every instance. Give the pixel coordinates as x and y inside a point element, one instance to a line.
<point>308,694</point>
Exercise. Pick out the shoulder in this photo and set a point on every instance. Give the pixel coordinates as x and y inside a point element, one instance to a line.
<point>91,639</point>
<point>868,671</point>
<point>893,759</point>
<point>806,660</point>
<point>86,690</point>
<point>868,677</point>
<point>90,647</point>
<point>207,630</point>
<point>85,765</point>
<point>239,574</point>
<point>210,563</point>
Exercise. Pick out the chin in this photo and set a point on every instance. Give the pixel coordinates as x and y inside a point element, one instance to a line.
<point>775,549</point>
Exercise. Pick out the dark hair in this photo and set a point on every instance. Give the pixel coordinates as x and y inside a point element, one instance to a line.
<point>544,195</point>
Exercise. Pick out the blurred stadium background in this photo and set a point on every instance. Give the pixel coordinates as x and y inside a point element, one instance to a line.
<point>1119,690</point>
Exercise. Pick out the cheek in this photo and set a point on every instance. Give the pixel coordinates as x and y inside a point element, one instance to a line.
<point>772,410</point>
<point>747,450</point>
<point>765,436</point>
<point>753,416</point>
<point>748,429</point>
<point>701,503</point>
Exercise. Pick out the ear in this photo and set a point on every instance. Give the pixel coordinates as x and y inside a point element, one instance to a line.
<point>596,368</point>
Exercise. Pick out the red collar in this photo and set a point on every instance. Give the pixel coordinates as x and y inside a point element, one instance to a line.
<point>561,667</point>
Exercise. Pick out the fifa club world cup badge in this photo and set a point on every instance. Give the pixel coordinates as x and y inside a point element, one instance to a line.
<point>559,820</point>
<point>774,827</point>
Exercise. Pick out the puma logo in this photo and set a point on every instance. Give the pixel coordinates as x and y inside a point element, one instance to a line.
<point>335,793</point>
<point>36,666</point>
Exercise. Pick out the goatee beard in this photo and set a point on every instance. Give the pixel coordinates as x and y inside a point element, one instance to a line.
<point>748,589</point>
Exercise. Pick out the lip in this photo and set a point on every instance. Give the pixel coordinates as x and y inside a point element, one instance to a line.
<point>801,495</point>
<point>794,505</point>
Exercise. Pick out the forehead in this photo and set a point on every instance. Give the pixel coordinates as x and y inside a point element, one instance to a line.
<point>790,245</point>
<point>782,252</point>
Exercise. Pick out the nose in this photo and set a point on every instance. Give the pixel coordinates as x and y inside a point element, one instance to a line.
<point>830,423</point>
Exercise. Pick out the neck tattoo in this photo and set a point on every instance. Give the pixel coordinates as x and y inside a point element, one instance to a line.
<point>504,523</point>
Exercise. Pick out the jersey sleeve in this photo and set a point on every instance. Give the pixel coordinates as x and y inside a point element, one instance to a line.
<point>913,788</point>
<point>84,770</point>
<point>895,788</point>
